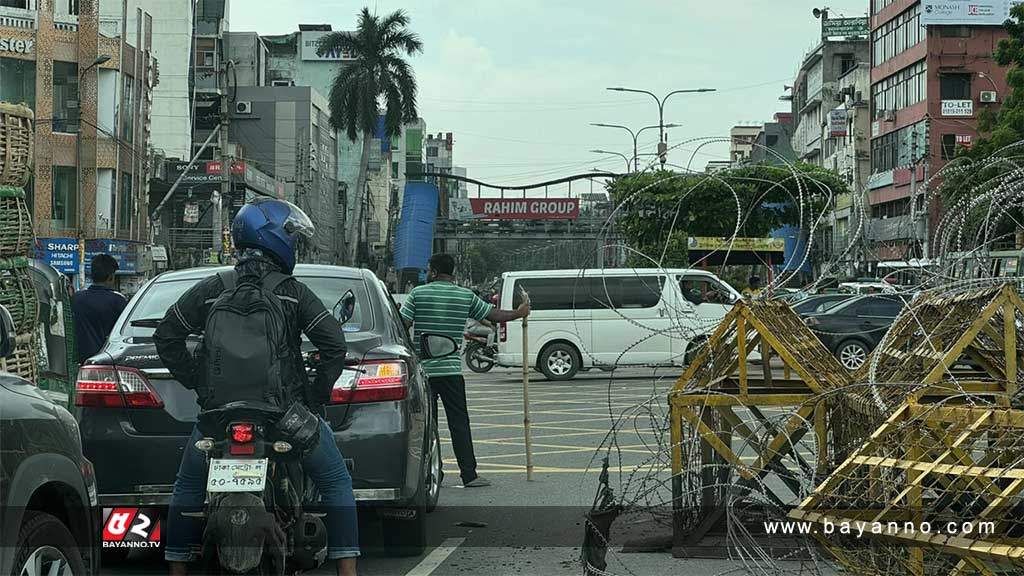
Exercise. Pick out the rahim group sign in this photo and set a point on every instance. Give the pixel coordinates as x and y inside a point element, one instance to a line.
<point>525,208</point>
<point>970,12</point>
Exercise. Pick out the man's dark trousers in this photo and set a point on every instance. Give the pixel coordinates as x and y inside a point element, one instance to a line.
<point>452,390</point>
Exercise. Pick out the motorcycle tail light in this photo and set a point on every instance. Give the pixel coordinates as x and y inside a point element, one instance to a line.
<point>242,449</point>
<point>503,332</point>
<point>242,433</point>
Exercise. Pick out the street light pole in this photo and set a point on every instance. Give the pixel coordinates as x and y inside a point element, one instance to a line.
<point>635,136</point>
<point>615,153</point>
<point>100,60</point>
<point>662,147</point>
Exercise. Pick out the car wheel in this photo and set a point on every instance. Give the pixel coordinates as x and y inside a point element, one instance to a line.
<point>46,547</point>
<point>852,354</point>
<point>559,361</point>
<point>434,472</point>
<point>476,360</point>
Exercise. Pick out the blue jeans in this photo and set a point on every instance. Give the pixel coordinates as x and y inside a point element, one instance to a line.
<point>324,466</point>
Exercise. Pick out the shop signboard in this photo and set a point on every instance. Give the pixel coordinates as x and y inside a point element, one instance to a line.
<point>525,208</point>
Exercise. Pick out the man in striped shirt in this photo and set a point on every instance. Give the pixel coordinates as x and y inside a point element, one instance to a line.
<point>442,307</point>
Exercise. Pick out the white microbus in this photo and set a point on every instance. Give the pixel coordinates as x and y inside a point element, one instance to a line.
<point>602,318</point>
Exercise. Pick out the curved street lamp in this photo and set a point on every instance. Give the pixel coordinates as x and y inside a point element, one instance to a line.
<point>661,106</point>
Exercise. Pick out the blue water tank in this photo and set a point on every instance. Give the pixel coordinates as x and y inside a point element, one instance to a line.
<point>414,239</point>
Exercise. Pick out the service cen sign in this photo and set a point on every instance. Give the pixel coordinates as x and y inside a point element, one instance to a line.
<point>526,208</point>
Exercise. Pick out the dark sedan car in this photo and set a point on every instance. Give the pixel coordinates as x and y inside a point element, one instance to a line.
<point>48,523</point>
<point>136,418</point>
<point>819,304</point>
<point>853,329</point>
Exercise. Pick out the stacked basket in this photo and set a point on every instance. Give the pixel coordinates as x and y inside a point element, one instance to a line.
<point>17,292</point>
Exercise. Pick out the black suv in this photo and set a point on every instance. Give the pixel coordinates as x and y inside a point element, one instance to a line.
<point>48,522</point>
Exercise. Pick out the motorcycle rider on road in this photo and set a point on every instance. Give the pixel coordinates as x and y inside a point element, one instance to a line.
<point>266,231</point>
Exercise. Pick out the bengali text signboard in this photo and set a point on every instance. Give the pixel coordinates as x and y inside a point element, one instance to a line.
<point>708,243</point>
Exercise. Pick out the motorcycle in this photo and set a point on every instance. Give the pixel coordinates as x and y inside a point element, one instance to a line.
<point>258,497</point>
<point>481,349</point>
<point>257,493</point>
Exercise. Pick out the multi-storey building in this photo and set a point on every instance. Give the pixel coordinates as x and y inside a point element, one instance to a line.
<point>89,84</point>
<point>933,72</point>
<point>742,139</point>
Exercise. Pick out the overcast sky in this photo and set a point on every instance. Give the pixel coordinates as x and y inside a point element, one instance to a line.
<point>518,83</point>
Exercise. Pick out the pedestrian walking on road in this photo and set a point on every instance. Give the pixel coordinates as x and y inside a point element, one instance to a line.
<point>442,307</point>
<point>96,310</point>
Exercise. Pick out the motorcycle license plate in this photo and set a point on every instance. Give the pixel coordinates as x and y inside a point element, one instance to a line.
<point>236,475</point>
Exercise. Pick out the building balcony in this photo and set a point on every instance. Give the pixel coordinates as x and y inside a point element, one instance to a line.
<point>888,229</point>
<point>18,18</point>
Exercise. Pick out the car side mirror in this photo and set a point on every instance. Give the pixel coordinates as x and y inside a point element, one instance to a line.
<point>435,346</point>
<point>346,307</point>
<point>7,333</point>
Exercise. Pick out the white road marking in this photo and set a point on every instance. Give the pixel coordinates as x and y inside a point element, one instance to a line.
<point>436,557</point>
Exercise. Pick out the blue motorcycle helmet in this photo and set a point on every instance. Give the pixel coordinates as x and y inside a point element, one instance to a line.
<point>272,226</point>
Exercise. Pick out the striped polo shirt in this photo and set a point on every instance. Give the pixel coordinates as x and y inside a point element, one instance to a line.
<point>442,308</point>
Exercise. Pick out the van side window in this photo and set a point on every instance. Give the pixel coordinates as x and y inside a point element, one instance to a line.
<point>703,290</point>
<point>591,293</point>
<point>554,293</point>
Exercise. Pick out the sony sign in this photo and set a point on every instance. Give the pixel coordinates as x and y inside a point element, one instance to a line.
<point>17,45</point>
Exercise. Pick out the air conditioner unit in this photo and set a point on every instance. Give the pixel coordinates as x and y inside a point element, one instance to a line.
<point>243,107</point>
<point>282,83</point>
<point>889,115</point>
<point>988,96</point>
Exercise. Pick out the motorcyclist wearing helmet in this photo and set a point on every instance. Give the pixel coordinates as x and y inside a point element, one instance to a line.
<point>265,232</point>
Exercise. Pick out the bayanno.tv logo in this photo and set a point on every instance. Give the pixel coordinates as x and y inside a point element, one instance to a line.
<point>131,528</point>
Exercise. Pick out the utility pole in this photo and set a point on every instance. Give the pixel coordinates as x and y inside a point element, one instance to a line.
<point>300,178</point>
<point>219,199</point>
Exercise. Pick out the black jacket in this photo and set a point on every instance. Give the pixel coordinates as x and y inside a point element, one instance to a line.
<point>304,310</point>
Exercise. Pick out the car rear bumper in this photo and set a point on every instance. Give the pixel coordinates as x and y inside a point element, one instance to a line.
<point>374,441</point>
<point>163,498</point>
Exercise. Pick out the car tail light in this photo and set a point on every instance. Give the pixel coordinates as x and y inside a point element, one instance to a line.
<point>114,387</point>
<point>383,380</point>
<point>503,331</point>
<point>242,433</point>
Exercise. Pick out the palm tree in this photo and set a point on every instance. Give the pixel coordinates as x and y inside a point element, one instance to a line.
<point>379,77</point>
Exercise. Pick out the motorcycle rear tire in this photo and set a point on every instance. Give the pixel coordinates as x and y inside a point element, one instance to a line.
<point>473,352</point>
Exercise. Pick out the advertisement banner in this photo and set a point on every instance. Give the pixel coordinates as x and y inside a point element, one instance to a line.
<point>460,209</point>
<point>957,108</point>
<point>707,243</point>
<point>309,42</point>
<point>525,208</point>
<point>60,253</point>
<point>214,167</point>
<point>195,175</point>
<point>845,27</point>
<point>837,122</point>
<point>969,12</point>
<point>125,252</point>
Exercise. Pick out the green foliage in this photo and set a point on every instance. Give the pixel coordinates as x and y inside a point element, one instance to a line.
<point>668,207</point>
<point>379,74</point>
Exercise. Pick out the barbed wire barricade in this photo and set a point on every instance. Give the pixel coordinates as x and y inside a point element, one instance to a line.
<point>758,466</point>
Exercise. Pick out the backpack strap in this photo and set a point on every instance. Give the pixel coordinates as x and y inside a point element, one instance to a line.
<point>273,280</point>
<point>228,278</point>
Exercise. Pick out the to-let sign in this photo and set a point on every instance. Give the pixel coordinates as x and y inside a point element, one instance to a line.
<point>958,107</point>
<point>526,208</point>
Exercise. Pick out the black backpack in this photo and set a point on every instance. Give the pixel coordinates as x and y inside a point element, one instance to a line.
<point>245,343</point>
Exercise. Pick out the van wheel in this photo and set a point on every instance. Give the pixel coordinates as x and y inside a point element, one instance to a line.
<point>559,361</point>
